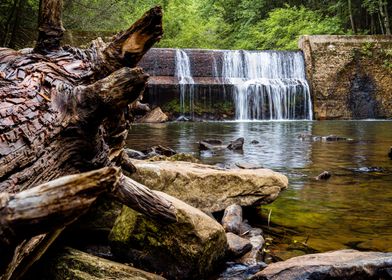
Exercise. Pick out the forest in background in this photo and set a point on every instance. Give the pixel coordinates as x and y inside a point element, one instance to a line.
<point>212,24</point>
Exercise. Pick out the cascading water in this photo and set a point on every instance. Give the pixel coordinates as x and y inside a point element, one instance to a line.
<point>263,85</point>
<point>186,82</point>
<point>268,85</point>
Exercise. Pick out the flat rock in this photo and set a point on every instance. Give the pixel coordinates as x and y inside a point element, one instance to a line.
<point>154,116</point>
<point>211,188</point>
<point>238,246</point>
<point>343,264</point>
<point>191,248</point>
<point>74,264</point>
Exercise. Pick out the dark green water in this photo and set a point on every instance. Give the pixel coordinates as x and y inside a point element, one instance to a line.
<point>351,210</point>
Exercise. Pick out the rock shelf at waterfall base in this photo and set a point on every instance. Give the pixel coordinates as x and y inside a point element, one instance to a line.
<point>228,85</point>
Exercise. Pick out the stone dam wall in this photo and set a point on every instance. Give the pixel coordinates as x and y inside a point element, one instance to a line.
<point>210,92</point>
<point>350,76</point>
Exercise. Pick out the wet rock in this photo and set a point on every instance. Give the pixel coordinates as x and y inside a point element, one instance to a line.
<point>74,264</point>
<point>211,144</point>
<point>97,223</point>
<point>210,188</point>
<point>369,169</point>
<point>135,154</point>
<point>343,264</point>
<point>330,138</point>
<point>159,150</point>
<point>244,165</point>
<point>232,218</point>
<point>254,142</point>
<point>188,249</point>
<point>237,245</point>
<point>237,144</point>
<point>182,119</point>
<point>334,138</point>
<point>254,256</point>
<point>245,228</point>
<point>239,271</point>
<point>154,116</point>
<point>325,175</point>
<point>213,141</point>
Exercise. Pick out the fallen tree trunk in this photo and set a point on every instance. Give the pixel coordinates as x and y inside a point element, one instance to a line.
<point>63,111</point>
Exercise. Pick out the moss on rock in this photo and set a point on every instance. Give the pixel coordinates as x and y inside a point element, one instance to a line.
<point>188,249</point>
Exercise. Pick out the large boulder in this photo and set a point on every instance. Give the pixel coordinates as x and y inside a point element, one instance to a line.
<point>210,188</point>
<point>188,249</point>
<point>154,116</point>
<point>344,264</point>
<point>74,264</point>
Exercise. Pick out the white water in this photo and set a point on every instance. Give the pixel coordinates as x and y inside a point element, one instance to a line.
<point>186,82</point>
<point>268,85</point>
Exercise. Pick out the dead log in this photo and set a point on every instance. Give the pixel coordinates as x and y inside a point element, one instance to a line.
<point>63,111</point>
<point>48,206</point>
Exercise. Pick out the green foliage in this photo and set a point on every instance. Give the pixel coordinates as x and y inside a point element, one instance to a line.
<point>229,24</point>
<point>284,26</point>
<point>366,49</point>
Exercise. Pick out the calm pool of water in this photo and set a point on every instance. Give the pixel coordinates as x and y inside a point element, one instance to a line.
<point>352,209</point>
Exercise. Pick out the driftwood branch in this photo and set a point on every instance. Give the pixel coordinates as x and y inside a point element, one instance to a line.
<point>142,199</point>
<point>50,26</point>
<point>48,207</point>
<point>128,47</point>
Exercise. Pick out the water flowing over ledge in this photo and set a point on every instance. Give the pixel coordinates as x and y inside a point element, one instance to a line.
<point>233,85</point>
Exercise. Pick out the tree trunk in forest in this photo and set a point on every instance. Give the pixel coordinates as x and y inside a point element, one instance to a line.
<point>383,8</point>
<point>63,111</point>
<point>350,10</point>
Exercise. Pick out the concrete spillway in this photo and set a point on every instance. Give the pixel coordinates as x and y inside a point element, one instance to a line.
<point>221,84</point>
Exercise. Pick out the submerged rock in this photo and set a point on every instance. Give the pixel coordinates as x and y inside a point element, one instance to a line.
<point>159,150</point>
<point>188,249</point>
<point>239,271</point>
<point>329,138</point>
<point>210,188</point>
<point>154,116</point>
<point>135,154</point>
<point>232,219</point>
<point>237,245</point>
<point>237,144</point>
<point>254,142</point>
<point>325,175</point>
<point>77,265</point>
<point>213,141</point>
<point>343,264</point>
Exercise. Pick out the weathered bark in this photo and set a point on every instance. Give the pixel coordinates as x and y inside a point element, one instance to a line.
<point>51,206</point>
<point>142,199</point>
<point>50,26</point>
<point>48,206</point>
<point>62,112</point>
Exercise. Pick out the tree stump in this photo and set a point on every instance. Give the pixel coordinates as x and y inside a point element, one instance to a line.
<point>63,111</point>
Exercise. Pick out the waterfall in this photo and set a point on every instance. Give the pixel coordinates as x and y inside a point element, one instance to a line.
<point>262,85</point>
<point>186,82</point>
<point>268,85</point>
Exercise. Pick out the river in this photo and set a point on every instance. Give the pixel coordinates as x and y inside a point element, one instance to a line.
<point>353,209</point>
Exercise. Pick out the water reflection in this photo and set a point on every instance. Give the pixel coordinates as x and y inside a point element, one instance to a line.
<point>351,209</point>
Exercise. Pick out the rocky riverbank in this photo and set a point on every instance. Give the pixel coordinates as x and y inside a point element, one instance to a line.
<point>212,238</point>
